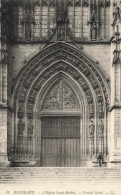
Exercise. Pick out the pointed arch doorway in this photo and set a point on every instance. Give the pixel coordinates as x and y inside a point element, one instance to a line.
<point>60,126</point>
<point>60,81</point>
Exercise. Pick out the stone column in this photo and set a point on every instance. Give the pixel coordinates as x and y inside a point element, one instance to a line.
<point>115,120</point>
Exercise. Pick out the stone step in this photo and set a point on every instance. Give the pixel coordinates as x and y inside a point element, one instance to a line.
<point>62,175</point>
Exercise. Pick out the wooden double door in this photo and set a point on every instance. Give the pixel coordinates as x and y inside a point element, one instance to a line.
<point>60,141</point>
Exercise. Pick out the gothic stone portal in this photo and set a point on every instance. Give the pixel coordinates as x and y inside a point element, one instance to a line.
<point>60,99</point>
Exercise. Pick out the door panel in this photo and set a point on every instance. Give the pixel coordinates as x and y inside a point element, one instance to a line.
<point>51,127</point>
<point>70,127</point>
<point>71,152</point>
<point>60,141</point>
<point>51,152</point>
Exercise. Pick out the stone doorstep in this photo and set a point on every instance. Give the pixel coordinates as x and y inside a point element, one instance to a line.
<point>95,164</point>
<point>23,163</point>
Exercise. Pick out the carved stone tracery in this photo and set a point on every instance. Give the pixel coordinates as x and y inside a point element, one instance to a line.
<point>61,97</point>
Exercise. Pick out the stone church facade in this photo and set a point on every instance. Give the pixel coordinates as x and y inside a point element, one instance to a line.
<point>60,82</point>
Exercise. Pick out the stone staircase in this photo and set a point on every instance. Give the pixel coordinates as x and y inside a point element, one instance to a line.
<point>20,175</point>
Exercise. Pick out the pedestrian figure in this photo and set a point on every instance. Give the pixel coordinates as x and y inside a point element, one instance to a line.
<point>100,159</point>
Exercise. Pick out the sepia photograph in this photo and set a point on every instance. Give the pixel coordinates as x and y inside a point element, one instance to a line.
<point>60,97</point>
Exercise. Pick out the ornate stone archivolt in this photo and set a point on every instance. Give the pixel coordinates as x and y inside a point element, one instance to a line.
<point>56,52</point>
<point>57,58</point>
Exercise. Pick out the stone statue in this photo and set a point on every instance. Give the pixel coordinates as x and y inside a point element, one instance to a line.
<point>91,127</point>
<point>28,20</point>
<point>91,108</point>
<point>94,31</point>
<point>93,24</point>
<point>101,127</point>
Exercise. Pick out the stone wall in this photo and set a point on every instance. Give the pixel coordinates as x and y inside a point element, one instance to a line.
<point>20,54</point>
<point>99,53</point>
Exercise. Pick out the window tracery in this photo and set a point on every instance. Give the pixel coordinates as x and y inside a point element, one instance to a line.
<point>81,20</point>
